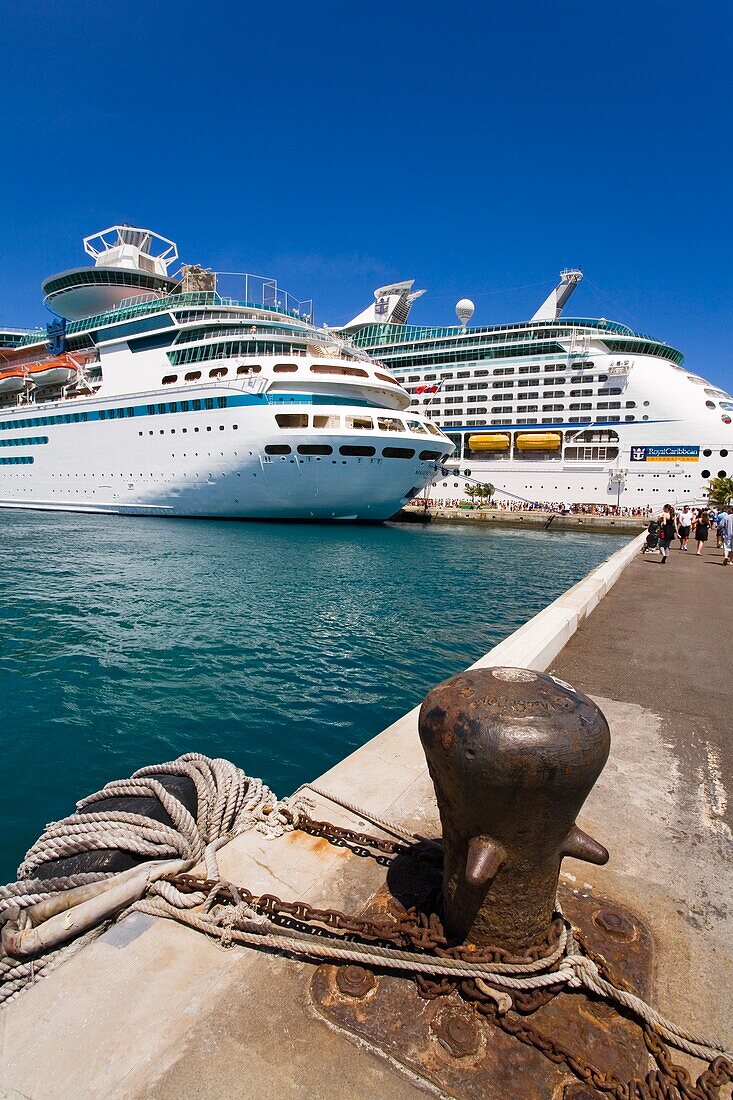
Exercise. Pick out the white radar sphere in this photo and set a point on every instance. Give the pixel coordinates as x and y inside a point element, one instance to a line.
<point>464,310</point>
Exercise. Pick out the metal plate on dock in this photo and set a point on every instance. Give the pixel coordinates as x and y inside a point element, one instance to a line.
<point>446,1042</point>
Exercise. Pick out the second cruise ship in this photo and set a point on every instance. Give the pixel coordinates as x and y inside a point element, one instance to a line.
<point>554,409</point>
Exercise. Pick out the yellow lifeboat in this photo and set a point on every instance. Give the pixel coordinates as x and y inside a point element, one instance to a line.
<point>12,381</point>
<point>492,441</point>
<point>538,441</point>
<point>58,371</point>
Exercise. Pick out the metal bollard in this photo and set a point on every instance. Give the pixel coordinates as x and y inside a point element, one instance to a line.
<point>513,755</point>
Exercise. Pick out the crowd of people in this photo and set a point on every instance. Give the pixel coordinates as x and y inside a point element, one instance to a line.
<point>696,524</point>
<point>556,507</point>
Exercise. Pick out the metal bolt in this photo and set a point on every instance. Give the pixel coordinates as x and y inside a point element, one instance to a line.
<point>457,1033</point>
<point>578,1091</point>
<point>615,923</point>
<point>355,981</point>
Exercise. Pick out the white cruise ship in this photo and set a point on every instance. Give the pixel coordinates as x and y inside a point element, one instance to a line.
<point>554,409</point>
<point>151,394</point>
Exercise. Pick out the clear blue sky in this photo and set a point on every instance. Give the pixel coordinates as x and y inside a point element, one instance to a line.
<point>476,147</point>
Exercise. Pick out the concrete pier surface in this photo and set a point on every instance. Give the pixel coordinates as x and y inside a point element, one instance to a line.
<point>153,1009</point>
<point>534,518</point>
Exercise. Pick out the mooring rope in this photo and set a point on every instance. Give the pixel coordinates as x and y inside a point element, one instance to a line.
<point>229,802</point>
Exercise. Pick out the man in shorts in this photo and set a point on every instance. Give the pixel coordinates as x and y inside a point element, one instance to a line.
<point>727,527</point>
<point>684,523</point>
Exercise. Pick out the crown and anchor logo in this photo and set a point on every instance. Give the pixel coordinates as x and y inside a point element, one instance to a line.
<point>638,454</point>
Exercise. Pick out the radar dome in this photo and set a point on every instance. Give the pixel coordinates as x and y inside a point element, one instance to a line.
<point>464,310</point>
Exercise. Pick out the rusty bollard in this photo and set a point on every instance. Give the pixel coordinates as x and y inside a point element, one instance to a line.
<point>513,755</point>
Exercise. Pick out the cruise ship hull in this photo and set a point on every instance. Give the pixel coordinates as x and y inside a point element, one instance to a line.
<point>211,463</point>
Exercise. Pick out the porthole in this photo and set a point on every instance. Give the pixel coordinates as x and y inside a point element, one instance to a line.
<point>709,404</point>
<point>721,473</point>
<point>706,474</point>
<point>315,449</point>
<point>357,451</point>
<point>723,453</point>
<point>398,452</point>
<point>277,449</point>
<point>707,452</point>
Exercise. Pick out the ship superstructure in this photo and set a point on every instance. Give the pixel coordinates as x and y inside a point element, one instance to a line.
<point>153,394</point>
<point>573,410</point>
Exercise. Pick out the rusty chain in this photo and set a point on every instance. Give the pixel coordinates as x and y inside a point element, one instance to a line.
<point>411,928</point>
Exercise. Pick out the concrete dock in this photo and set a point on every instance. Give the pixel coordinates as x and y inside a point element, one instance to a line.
<point>153,1009</point>
<point>530,517</point>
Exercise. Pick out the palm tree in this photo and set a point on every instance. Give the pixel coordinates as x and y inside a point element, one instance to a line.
<point>471,492</point>
<point>486,492</point>
<point>721,491</point>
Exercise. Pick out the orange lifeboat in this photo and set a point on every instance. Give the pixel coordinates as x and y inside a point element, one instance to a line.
<point>58,371</point>
<point>12,381</point>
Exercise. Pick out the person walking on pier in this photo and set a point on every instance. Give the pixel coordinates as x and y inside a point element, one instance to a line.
<point>667,531</point>
<point>684,524</point>
<point>725,526</point>
<point>702,529</point>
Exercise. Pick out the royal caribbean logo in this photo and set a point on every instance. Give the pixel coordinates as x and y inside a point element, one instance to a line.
<point>665,454</point>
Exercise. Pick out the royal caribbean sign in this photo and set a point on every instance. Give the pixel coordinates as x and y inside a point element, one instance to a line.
<point>665,454</point>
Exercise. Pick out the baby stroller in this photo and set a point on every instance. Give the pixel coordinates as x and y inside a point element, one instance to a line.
<point>652,538</point>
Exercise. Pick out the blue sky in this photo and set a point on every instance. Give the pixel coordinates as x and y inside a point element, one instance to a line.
<point>477,147</point>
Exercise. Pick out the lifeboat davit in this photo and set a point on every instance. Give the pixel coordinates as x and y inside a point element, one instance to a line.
<point>58,371</point>
<point>12,381</point>
<point>491,441</point>
<point>538,441</point>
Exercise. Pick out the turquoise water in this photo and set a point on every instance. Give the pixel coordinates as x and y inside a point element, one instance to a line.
<point>125,642</point>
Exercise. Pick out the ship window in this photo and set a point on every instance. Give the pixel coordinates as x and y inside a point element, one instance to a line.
<point>390,424</point>
<point>721,473</point>
<point>218,372</point>
<point>277,449</point>
<point>631,404</point>
<point>326,421</point>
<point>332,368</point>
<point>432,377</point>
<point>249,368</point>
<point>527,396</point>
<point>283,368</point>
<point>315,449</point>
<point>580,393</point>
<point>193,376</point>
<point>434,431</point>
<point>630,417</point>
<point>710,404</point>
<point>427,456</point>
<point>413,378</point>
<point>707,452</point>
<point>459,374</point>
<point>480,373</point>
<point>706,473</point>
<point>355,451</point>
<point>723,452</point>
<point>385,377</point>
<point>292,420</point>
<point>398,452</point>
<point>169,379</point>
<point>362,423</point>
<point>416,426</point>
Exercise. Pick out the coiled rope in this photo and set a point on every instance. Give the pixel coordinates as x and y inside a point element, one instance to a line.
<point>229,803</point>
